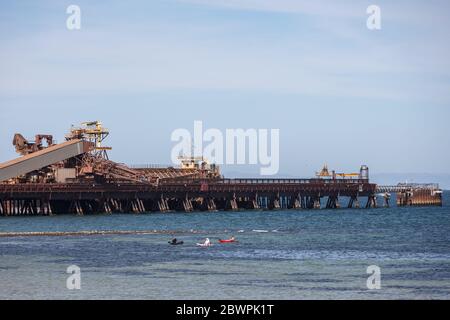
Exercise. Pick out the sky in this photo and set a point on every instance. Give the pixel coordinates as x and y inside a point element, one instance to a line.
<point>340,93</point>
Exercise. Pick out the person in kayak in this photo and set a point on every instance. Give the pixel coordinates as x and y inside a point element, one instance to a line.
<point>206,243</point>
<point>175,242</point>
<point>232,239</point>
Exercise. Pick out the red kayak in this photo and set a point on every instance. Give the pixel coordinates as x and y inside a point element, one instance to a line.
<point>228,241</point>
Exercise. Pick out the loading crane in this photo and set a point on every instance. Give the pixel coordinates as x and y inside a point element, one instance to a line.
<point>92,131</point>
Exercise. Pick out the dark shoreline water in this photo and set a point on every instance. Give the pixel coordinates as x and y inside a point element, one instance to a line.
<point>280,255</point>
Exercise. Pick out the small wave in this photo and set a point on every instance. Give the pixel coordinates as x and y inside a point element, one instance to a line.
<point>109,232</point>
<point>331,255</point>
<point>77,233</point>
<point>261,231</point>
<point>96,233</point>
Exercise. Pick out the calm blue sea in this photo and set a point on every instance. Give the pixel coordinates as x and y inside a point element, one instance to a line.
<point>280,255</point>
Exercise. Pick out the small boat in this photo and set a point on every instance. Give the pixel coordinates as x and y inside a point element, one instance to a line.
<point>204,244</point>
<point>207,243</point>
<point>227,241</point>
<point>175,242</point>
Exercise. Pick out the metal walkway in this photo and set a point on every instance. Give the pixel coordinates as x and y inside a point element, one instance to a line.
<point>407,187</point>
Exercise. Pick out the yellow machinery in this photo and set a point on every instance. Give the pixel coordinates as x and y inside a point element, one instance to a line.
<point>324,173</point>
<point>348,175</point>
<point>92,131</point>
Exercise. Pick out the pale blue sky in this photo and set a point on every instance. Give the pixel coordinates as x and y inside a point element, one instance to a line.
<point>339,93</point>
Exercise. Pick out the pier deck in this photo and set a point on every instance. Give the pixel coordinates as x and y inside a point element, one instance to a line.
<point>182,195</point>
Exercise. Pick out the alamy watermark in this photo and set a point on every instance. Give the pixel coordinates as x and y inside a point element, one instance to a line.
<point>374,19</point>
<point>73,282</point>
<point>73,22</point>
<point>374,280</point>
<point>231,147</point>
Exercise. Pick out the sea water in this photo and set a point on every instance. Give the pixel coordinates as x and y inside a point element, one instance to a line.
<point>291,254</point>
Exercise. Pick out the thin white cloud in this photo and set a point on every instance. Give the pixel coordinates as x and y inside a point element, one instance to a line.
<point>343,8</point>
<point>412,12</point>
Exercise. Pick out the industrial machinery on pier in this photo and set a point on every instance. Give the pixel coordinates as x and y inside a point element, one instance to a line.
<point>77,176</point>
<point>84,159</point>
<point>325,174</point>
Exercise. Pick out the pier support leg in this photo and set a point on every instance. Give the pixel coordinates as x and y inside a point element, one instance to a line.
<point>354,202</point>
<point>297,203</point>
<point>16,207</point>
<point>47,208</point>
<point>371,202</point>
<point>134,206</point>
<point>255,204</point>
<point>78,208</point>
<point>333,202</point>
<point>276,204</point>
<point>387,198</point>
<point>303,203</point>
<point>163,205</point>
<point>137,206</point>
<point>187,205</point>
<point>141,205</point>
<point>29,207</point>
<point>309,202</point>
<point>316,203</point>
<point>107,207</point>
<point>350,202</point>
<point>233,204</point>
<point>117,205</point>
<point>166,204</point>
<point>211,205</point>
<point>43,207</point>
<point>6,207</point>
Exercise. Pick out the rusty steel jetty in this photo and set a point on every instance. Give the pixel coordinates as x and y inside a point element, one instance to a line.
<point>76,177</point>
